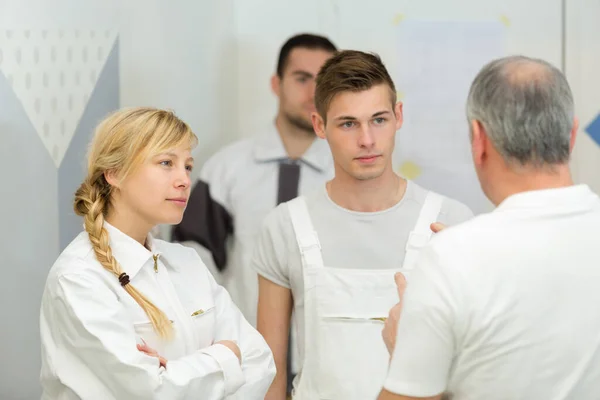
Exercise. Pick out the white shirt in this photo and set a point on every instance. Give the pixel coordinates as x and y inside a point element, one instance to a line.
<point>90,326</point>
<point>506,306</point>
<point>349,239</point>
<point>237,188</point>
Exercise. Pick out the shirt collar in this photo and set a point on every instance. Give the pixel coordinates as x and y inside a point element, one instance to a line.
<point>129,253</point>
<point>571,196</point>
<point>269,148</point>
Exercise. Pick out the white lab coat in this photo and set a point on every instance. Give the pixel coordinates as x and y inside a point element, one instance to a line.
<point>90,326</point>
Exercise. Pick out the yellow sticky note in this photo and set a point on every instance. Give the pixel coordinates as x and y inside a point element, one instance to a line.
<point>504,19</point>
<point>409,170</point>
<point>398,18</point>
<point>399,95</point>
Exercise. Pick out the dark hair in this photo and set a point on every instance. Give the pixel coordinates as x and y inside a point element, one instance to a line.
<point>306,41</point>
<point>350,71</point>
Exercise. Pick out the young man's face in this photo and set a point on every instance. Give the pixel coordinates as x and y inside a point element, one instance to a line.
<point>361,129</point>
<point>296,88</point>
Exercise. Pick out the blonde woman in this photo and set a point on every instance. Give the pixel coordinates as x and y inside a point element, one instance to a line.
<point>126,316</point>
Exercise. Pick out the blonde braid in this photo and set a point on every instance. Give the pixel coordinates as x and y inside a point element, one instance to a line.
<point>91,203</point>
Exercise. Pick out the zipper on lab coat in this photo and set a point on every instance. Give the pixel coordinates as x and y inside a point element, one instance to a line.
<point>155,257</point>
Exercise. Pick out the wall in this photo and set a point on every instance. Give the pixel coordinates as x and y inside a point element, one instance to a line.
<point>582,64</point>
<point>176,54</point>
<point>181,55</point>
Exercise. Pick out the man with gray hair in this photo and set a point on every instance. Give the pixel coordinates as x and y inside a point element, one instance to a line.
<point>505,306</point>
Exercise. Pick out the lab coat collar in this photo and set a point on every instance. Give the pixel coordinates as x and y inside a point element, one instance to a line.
<point>129,253</point>
<point>570,196</point>
<point>269,148</point>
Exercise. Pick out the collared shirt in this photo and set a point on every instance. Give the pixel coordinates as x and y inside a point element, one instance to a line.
<point>505,306</point>
<point>90,327</point>
<point>237,188</point>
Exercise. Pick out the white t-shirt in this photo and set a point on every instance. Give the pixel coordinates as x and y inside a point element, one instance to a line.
<point>507,305</point>
<point>349,239</point>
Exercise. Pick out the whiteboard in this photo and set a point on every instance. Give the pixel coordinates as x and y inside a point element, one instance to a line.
<point>433,147</point>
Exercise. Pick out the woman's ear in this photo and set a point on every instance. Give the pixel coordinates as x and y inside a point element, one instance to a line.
<point>112,178</point>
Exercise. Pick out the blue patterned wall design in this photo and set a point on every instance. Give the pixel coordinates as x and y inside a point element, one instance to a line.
<point>104,100</point>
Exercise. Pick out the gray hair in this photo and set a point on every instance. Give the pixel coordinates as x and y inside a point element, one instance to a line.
<point>526,108</point>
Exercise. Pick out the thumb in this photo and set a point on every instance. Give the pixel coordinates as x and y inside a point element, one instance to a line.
<point>400,283</point>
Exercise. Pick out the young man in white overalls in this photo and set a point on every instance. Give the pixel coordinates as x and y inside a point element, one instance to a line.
<point>332,255</point>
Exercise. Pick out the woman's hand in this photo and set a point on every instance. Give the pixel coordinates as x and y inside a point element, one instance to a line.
<point>144,348</point>
<point>233,347</point>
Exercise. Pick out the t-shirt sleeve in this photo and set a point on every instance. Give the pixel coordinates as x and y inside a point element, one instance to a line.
<point>424,349</point>
<point>270,256</point>
<point>454,212</point>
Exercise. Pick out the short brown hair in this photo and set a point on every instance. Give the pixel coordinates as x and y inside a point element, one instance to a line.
<point>353,71</point>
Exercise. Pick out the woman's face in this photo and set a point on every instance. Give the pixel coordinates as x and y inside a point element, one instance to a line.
<point>157,192</point>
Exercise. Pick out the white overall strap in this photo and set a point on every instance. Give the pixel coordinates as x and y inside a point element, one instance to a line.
<point>306,236</point>
<point>312,264</point>
<point>421,233</point>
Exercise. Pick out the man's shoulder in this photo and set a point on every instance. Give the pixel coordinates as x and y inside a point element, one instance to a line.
<point>463,240</point>
<point>279,219</point>
<point>452,210</point>
<point>455,211</point>
<point>279,222</point>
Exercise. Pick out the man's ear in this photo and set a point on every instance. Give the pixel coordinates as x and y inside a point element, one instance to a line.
<point>574,134</point>
<point>318,125</point>
<point>276,85</point>
<point>479,142</point>
<point>399,115</point>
